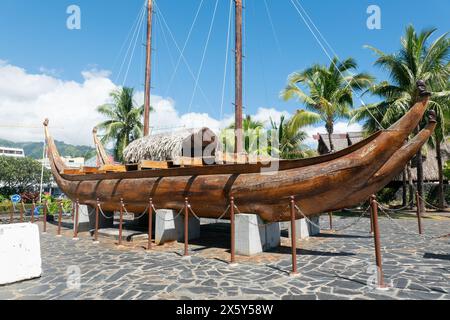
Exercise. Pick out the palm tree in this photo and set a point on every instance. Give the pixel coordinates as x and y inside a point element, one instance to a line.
<point>416,60</point>
<point>327,91</point>
<point>252,131</point>
<point>124,120</point>
<point>290,136</point>
<point>440,106</point>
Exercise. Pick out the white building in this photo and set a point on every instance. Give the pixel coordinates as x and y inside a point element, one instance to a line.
<point>12,152</point>
<point>70,162</point>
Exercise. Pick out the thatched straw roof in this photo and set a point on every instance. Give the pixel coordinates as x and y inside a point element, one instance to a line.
<point>171,145</point>
<point>430,166</point>
<point>340,141</point>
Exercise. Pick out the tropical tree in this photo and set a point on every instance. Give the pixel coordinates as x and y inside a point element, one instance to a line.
<point>124,120</point>
<point>291,136</point>
<point>416,60</point>
<point>327,91</point>
<point>252,131</point>
<point>440,106</point>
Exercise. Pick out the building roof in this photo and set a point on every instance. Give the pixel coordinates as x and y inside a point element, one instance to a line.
<point>340,141</point>
<point>430,166</point>
<point>170,145</point>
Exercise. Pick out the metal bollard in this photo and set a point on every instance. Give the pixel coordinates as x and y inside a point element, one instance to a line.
<point>419,213</point>
<point>45,217</point>
<point>33,208</point>
<point>121,222</point>
<point>22,209</point>
<point>186,227</point>
<point>60,218</point>
<point>330,215</point>
<point>96,221</point>
<point>293,238</point>
<point>376,232</point>
<point>11,214</point>
<point>150,223</point>
<point>233,230</point>
<point>76,219</point>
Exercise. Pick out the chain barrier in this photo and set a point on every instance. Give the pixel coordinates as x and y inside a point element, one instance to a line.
<point>432,206</point>
<point>144,213</point>
<point>167,220</point>
<point>408,231</point>
<point>395,210</point>
<point>103,214</point>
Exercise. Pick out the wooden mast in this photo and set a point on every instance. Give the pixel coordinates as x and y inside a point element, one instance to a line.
<point>148,69</point>
<point>238,78</point>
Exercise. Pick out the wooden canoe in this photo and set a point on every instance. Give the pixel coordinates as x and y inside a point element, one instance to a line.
<point>319,184</point>
<point>392,168</point>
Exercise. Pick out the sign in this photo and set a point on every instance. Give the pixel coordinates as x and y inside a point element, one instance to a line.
<point>16,198</point>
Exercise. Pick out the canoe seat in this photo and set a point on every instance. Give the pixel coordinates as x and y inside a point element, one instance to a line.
<point>113,168</point>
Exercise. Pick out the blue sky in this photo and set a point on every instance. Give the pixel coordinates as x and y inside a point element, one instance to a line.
<point>34,36</point>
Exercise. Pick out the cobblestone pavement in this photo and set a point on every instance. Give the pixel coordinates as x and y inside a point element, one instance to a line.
<point>334,265</point>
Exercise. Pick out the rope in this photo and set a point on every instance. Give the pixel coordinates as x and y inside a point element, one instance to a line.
<point>226,61</point>
<point>179,50</point>
<point>203,56</point>
<point>172,77</point>
<point>297,3</point>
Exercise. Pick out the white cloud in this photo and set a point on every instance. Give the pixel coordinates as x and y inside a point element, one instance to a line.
<point>27,99</point>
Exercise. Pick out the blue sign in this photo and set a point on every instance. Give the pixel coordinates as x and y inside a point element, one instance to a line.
<point>16,198</point>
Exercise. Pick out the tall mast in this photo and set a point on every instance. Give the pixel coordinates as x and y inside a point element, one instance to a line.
<point>148,69</point>
<point>238,78</point>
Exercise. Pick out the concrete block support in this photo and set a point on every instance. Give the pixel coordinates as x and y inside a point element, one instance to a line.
<point>83,218</point>
<point>253,236</point>
<point>170,227</point>
<point>305,229</point>
<point>20,253</point>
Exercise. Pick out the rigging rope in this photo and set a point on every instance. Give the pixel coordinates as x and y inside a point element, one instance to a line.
<point>227,50</point>
<point>172,77</point>
<point>203,56</point>
<point>126,41</point>
<point>139,29</point>
<point>135,29</point>
<point>269,15</point>
<point>179,51</point>
<point>296,3</point>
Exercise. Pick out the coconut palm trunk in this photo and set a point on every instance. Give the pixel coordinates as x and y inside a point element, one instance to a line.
<point>404,189</point>
<point>441,199</point>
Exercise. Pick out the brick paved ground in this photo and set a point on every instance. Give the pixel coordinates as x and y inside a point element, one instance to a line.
<point>334,265</point>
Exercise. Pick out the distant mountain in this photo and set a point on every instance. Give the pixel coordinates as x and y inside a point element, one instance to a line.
<point>34,149</point>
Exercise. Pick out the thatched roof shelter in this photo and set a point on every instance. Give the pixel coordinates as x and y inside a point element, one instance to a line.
<point>172,145</point>
<point>340,141</point>
<point>430,166</point>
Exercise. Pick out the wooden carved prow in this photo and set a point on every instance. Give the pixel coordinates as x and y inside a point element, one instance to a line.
<point>102,156</point>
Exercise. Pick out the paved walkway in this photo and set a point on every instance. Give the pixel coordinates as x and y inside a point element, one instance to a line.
<point>332,266</point>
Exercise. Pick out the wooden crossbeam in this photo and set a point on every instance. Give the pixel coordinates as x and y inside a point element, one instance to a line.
<point>72,171</point>
<point>188,162</point>
<point>148,164</point>
<point>113,168</point>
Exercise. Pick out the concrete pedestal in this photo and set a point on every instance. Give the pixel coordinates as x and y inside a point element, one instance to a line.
<point>303,228</point>
<point>253,236</point>
<point>170,227</point>
<point>104,222</point>
<point>83,218</point>
<point>20,253</point>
